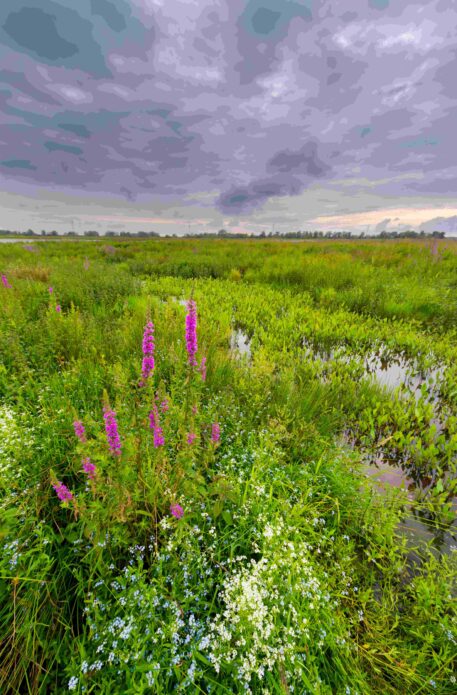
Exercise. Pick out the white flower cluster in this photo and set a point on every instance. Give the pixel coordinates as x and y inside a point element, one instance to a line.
<point>262,623</point>
<point>15,440</point>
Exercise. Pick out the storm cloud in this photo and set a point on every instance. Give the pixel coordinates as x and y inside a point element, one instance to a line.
<point>228,110</point>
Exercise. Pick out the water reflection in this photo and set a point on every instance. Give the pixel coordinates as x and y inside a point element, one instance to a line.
<point>419,526</point>
<point>240,344</point>
<point>389,371</point>
<point>398,372</point>
<point>420,532</point>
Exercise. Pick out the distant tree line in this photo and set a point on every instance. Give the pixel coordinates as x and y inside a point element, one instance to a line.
<point>408,234</point>
<point>87,233</point>
<point>223,233</point>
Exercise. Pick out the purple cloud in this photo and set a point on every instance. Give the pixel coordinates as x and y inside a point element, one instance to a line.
<point>240,103</point>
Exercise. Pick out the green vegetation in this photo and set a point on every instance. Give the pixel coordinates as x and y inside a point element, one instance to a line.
<point>264,559</point>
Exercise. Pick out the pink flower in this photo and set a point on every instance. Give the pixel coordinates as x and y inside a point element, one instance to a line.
<point>5,281</point>
<point>215,433</point>
<point>164,406</point>
<point>203,369</point>
<point>148,351</point>
<point>58,308</point>
<point>191,437</point>
<point>111,430</point>
<point>63,493</point>
<point>89,468</point>
<point>159,439</point>
<point>177,511</point>
<point>191,332</point>
<point>50,290</point>
<point>79,430</point>
<point>194,410</point>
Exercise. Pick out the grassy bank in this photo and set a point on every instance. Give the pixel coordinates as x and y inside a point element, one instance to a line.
<point>228,541</point>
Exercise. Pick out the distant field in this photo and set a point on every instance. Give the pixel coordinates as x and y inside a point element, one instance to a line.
<point>257,498</point>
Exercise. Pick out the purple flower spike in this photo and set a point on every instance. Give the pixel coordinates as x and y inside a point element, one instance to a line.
<point>63,493</point>
<point>58,308</point>
<point>191,332</point>
<point>148,351</point>
<point>154,424</point>
<point>5,281</point>
<point>164,406</point>
<point>177,511</point>
<point>79,430</point>
<point>112,433</point>
<point>89,468</point>
<point>215,433</point>
<point>50,290</point>
<point>159,439</point>
<point>203,368</point>
<point>191,437</point>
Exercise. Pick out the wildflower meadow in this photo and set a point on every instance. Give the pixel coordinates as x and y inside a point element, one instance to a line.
<point>228,467</point>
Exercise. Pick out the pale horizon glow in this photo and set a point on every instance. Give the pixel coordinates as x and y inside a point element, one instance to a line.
<point>399,216</point>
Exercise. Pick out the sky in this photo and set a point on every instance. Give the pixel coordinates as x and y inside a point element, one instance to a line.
<point>194,115</point>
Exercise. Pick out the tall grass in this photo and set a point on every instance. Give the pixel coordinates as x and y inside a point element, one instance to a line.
<point>286,571</point>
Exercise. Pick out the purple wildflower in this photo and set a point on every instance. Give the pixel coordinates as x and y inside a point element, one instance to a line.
<point>148,351</point>
<point>50,290</point>
<point>191,437</point>
<point>177,511</point>
<point>58,308</point>
<point>5,281</point>
<point>89,468</point>
<point>154,424</point>
<point>203,369</point>
<point>79,430</point>
<point>112,433</point>
<point>191,332</point>
<point>215,433</point>
<point>194,410</point>
<point>159,439</point>
<point>164,406</point>
<point>63,493</point>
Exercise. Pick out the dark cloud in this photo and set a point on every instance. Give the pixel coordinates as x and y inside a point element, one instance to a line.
<point>382,226</point>
<point>110,13</point>
<point>18,164</point>
<point>260,28</point>
<point>53,33</point>
<point>19,82</point>
<point>79,130</point>
<point>58,147</point>
<point>36,31</point>
<point>248,198</point>
<point>379,4</point>
<point>305,161</point>
<point>441,224</point>
<point>243,102</point>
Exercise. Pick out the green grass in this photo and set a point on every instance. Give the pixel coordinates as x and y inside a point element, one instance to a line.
<point>288,572</point>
